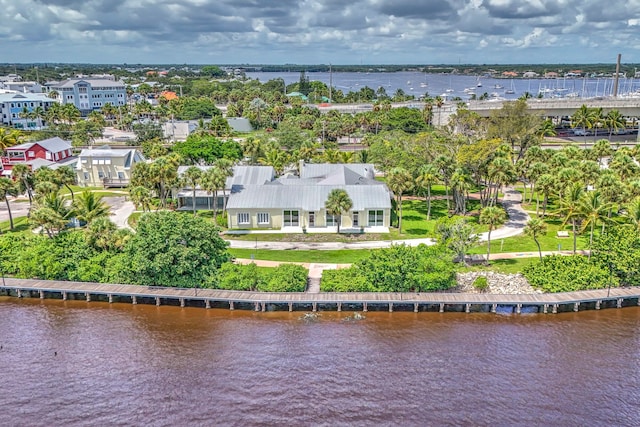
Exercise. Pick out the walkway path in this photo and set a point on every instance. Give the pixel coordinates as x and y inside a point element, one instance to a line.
<point>515,225</point>
<point>121,209</point>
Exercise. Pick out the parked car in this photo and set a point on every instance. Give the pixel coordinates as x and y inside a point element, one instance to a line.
<point>582,132</point>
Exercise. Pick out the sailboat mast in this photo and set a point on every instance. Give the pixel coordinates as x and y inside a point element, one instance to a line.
<point>330,82</point>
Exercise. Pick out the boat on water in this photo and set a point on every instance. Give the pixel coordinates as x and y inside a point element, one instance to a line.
<point>423,85</point>
<point>479,83</point>
<point>511,90</point>
<point>498,86</point>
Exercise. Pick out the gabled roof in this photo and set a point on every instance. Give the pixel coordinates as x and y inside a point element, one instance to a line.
<point>308,197</point>
<point>323,170</point>
<point>55,144</point>
<point>242,175</point>
<point>105,151</point>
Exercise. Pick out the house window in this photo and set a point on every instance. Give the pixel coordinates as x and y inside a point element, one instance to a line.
<point>331,220</point>
<point>243,218</point>
<point>376,218</point>
<point>263,218</point>
<point>312,219</point>
<point>47,155</point>
<point>100,174</point>
<point>86,176</point>
<point>355,219</point>
<point>31,153</point>
<point>291,218</point>
<point>121,176</point>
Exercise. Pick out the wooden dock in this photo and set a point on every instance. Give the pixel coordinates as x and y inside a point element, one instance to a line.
<point>300,301</point>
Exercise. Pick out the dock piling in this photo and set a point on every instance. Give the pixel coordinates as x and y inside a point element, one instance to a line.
<point>231,305</point>
<point>619,303</point>
<point>598,304</point>
<point>518,308</point>
<point>364,307</point>
<point>87,296</point>
<point>134,300</point>
<point>390,307</point>
<point>441,307</point>
<point>339,307</point>
<point>576,306</point>
<point>41,294</point>
<point>110,299</point>
<point>207,305</point>
<point>158,301</point>
<point>415,307</point>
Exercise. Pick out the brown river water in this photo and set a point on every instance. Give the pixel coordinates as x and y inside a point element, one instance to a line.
<point>94,364</point>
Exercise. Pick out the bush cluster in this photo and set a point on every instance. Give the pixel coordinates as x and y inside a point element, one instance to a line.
<point>399,268</point>
<point>284,278</point>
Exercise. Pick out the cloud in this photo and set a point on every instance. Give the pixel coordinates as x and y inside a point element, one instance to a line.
<point>312,31</point>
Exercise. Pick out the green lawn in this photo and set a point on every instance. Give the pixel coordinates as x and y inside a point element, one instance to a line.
<point>20,224</point>
<point>344,256</point>
<point>506,266</point>
<point>414,226</point>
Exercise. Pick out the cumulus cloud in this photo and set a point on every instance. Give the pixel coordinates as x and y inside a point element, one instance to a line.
<point>313,31</point>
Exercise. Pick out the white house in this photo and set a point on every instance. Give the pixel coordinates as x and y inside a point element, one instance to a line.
<point>106,166</point>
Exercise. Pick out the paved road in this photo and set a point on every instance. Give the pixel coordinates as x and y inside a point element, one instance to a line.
<point>121,209</point>
<point>18,208</point>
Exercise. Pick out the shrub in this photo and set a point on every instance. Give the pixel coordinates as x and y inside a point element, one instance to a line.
<point>239,277</point>
<point>481,283</point>
<point>344,280</point>
<point>285,278</point>
<point>568,273</point>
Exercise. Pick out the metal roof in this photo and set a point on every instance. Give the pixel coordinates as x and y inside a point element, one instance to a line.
<point>320,170</point>
<point>307,197</point>
<point>53,145</point>
<point>242,175</point>
<point>92,82</point>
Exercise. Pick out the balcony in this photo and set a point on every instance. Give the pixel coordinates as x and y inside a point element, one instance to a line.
<point>13,160</point>
<point>115,182</point>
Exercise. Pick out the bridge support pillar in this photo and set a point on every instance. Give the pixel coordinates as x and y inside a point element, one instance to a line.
<point>619,303</point>
<point>415,307</point>
<point>110,299</point>
<point>19,293</point>
<point>364,307</point>
<point>158,301</point>
<point>339,307</point>
<point>207,304</point>
<point>598,304</point>
<point>390,307</point>
<point>441,307</point>
<point>231,305</point>
<point>88,296</point>
<point>554,310</point>
<point>314,307</point>
<point>494,308</point>
<point>467,308</point>
<point>41,294</point>
<point>262,306</point>
<point>545,308</point>
<point>576,306</point>
<point>257,306</point>
<point>182,302</point>
<point>134,300</point>
<point>290,306</point>
<point>518,308</point>
<point>64,296</point>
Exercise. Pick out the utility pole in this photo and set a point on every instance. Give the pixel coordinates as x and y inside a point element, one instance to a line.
<point>330,83</point>
<point>615,81</point>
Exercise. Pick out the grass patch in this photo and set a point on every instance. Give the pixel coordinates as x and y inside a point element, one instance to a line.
<point>344,256</point>
<point>505,266</point>
<point>134,218</point>
<point>20,224</point>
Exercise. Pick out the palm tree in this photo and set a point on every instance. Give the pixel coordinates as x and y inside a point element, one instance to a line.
<point>493,216</point>
<point>141,197</point>
<point>252,148</point>
<point>8,188</point>
<point>614,121</point>
<point>23,174</point>
<point>570,208</point>
<point>163,172</point>
<point>445,166</point>
<point>52,213</point>
<point>601,149</point>
<point>460,184</point>
<point>8,138</point>
<point>536,227</point>
<point>633,213</point>
<point>593,209</point>
<point>584,117</point>
<point>191,178</point>
<point>337,203</point>
<point>65,176</point>
<point>213,179</point>
<point>428,176</point>
<point>89,206</point>
<point>399,180</point>
<point>225,169</point>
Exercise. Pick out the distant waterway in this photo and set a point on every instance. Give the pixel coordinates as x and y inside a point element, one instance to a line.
<point>463,86</point>
<point>97,364</point>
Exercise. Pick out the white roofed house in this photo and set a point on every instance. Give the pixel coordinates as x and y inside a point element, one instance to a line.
<point>297,204</point>
<point>106,166</point>
<point>242,176</point>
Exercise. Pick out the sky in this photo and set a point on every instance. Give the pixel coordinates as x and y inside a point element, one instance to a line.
<point>319,31</point>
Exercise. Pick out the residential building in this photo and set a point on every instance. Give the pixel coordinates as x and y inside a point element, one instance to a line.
<point>106,166</point>
<point>297,204</point>
<point>14,109</point>
<point>52,152</point>
<point>89,94</point>
<point>242,176</point>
